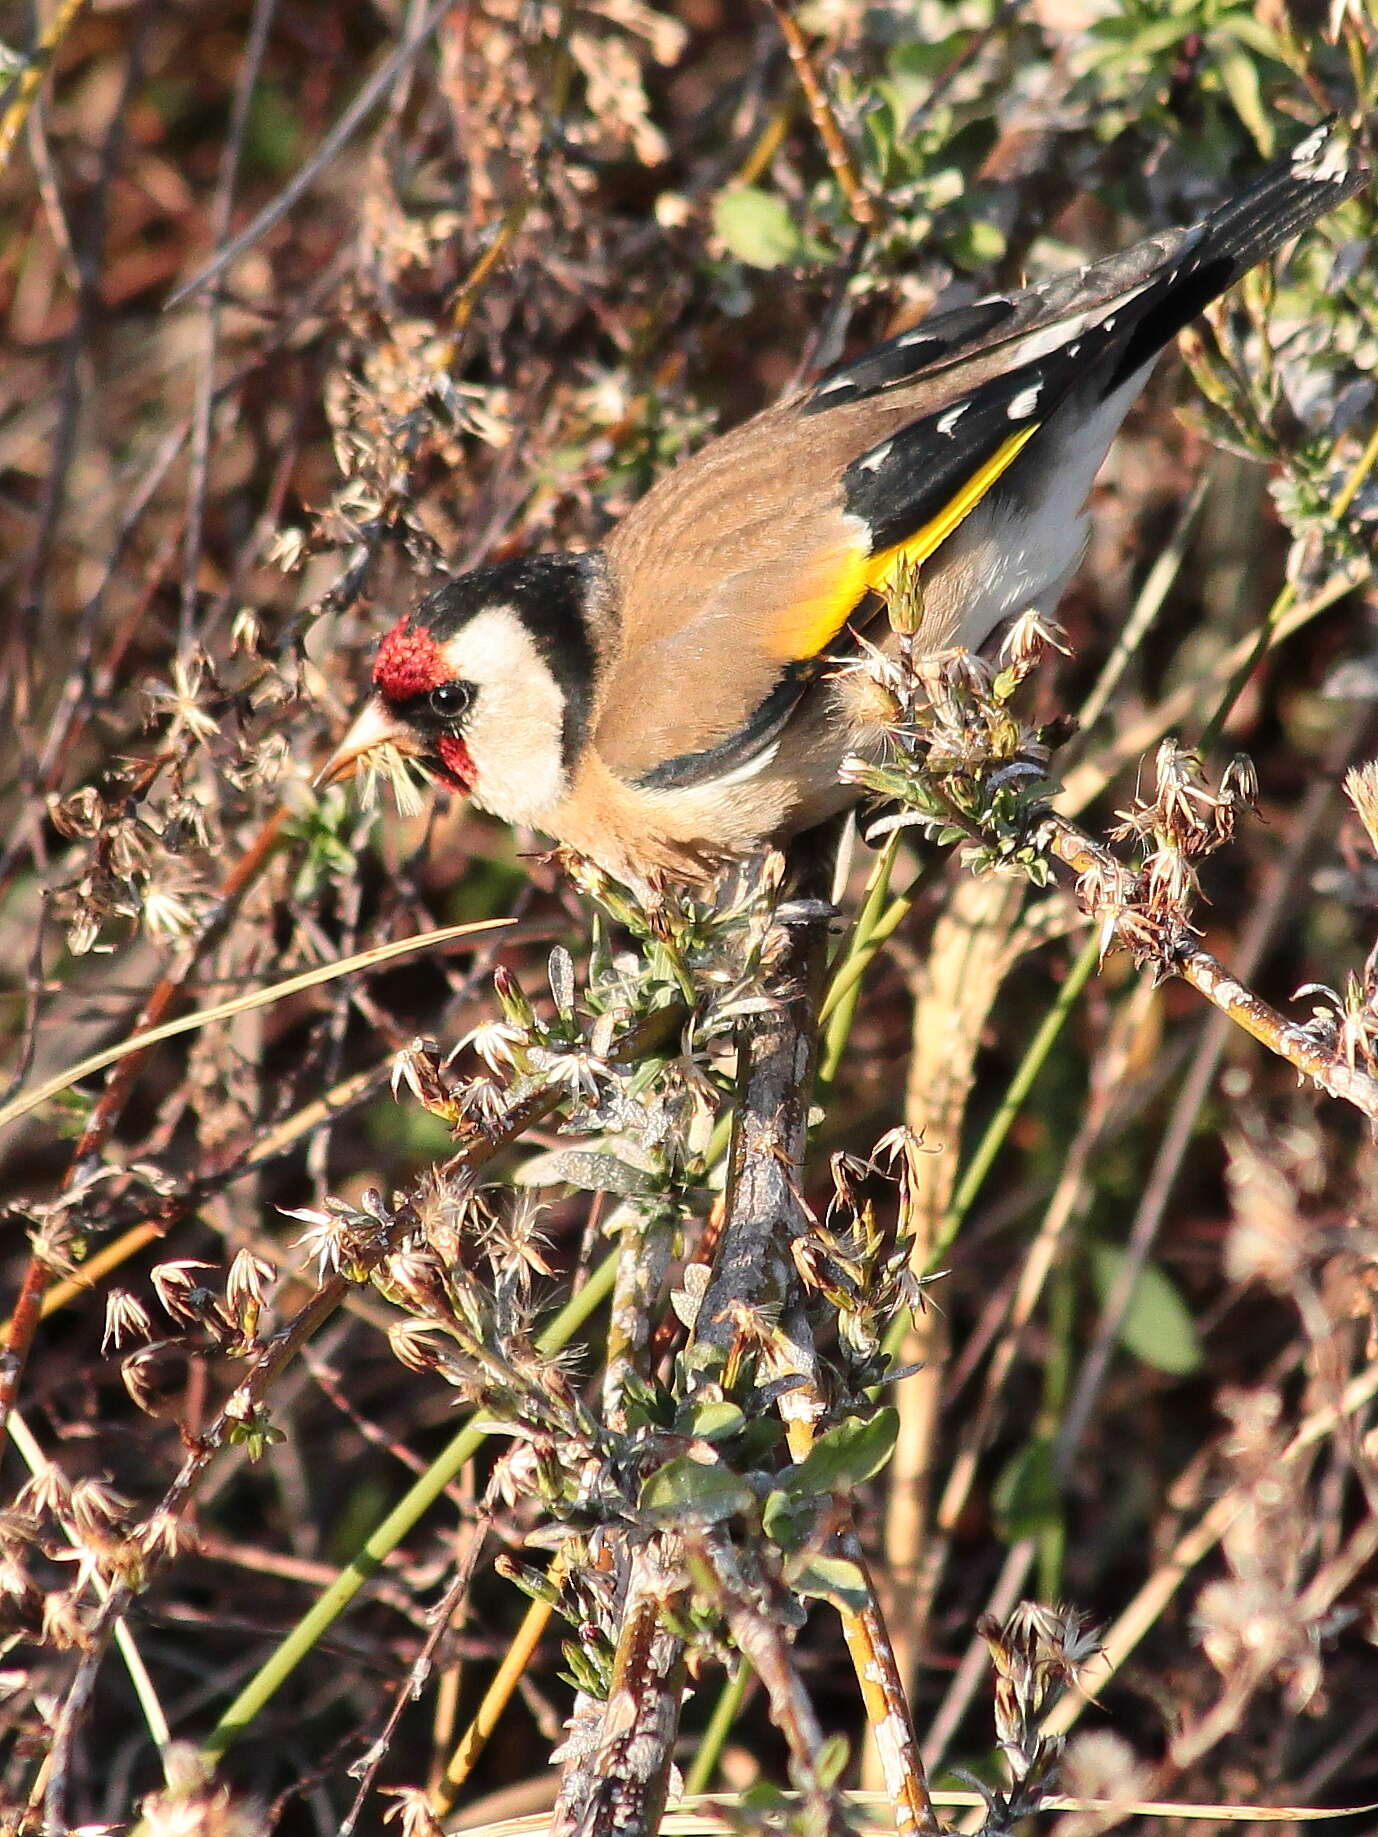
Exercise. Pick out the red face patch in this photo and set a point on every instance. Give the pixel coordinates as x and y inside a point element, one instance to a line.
<point>409,662</point>
<point>457,768</point>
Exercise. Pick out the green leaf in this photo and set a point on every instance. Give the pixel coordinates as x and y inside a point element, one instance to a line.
<point>788,1519</point>
<point>584,1673</point>
<point>683,1488</point>
<point>1025,1497</point>
<point>1157,1326</point>
<point>1239,74</point>
<point>830,1763</point>
<point>1245,25</point>
<point>976,244</point>
<point>847,1456</point>
<point>711,1422</point>
<point>829,1578</point>
<point>757,227</point>
<point>589,1170</point>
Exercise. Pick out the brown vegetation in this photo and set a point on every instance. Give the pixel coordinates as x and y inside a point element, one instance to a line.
<point>305,304</point>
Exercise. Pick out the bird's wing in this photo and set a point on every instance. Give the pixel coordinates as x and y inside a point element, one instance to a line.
<point>741,568</point>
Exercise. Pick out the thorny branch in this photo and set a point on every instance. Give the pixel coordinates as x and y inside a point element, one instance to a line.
<point>965,768</point>
<point>1122,903</point>
<point>618,1767</point>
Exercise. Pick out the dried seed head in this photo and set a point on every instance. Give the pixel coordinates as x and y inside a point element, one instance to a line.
<point>1028,641</point>
<point>83,815</point>
<point>411,1812</point>
<point>387,767</point>
<point>1268,1239</point>
<point>499,1044</point>
<point>1361,788</point>
<point>184,1299</point>
<point>248,1280</point>
<point>126,1318</point>
<point>181,700</point>
<point>191,1804</point>
<point>167,912</point>
<point>140,1377</point>
<point>1239,784</point>
<point>64,1624</point>
<point>95,1511</point>
<point>163,1537</point>
<point>418,1344</point>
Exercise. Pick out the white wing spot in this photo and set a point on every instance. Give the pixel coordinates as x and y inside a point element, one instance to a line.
<point>1332,168</point>
<point>908,340</point>
<point>1308,149</point>
<point>1108,325</point>
<point>947,424</point>
<point>876,458</point>
<point>1024,403</point>
<point>1072,349</point>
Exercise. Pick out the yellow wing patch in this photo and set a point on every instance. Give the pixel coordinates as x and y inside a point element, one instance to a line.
<point>814,619</point>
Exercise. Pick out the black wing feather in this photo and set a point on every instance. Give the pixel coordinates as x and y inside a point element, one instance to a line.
<point>903,482</point>
<point>1211,256</point>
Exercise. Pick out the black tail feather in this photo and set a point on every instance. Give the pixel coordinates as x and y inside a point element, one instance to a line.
<point>1243,232</point>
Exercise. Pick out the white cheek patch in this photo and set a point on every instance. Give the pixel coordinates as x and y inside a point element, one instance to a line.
<point>514,727</point>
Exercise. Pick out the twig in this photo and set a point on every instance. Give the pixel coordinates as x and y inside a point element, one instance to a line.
<point>27,1310</point>
<point>777,1056</point>
<point>860,203</point>
<point>339,137</point>
<point>633,1736</point>
<point>1177,953</point>
<point>221,211</point>
<point>883,1693</point>
<point>761,1640</point>
<point>1182,1124</point>
<point>442,1616</point>
<point>30,79</point>
<point>496,1698</point>
<point>621,1785</point>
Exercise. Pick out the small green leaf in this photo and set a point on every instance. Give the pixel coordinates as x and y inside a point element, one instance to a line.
<point>757,227</point>
<point>830,1763</point>
<point>711,1422</point>
<point>847,1456</point>
<point>976,244</point>
<point>585,1673</point>
<point>1157,1326</point>
<point>829,1578</point>
<point>789,1519</point>
<point>683,1488</point>
<point>588,1170</point>
<point>1245,25</point>
<point>1240,75</point>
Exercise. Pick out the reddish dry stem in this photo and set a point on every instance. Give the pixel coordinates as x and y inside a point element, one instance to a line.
<point>1181,956</point>
<point>824,117</point>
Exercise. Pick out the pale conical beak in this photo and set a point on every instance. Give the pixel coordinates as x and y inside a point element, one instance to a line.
<point>375,725</point>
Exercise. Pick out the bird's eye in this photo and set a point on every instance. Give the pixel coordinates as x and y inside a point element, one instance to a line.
<point>449,699</point>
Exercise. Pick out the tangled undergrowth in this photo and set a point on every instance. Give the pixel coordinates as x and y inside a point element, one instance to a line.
<point>593,1352</point>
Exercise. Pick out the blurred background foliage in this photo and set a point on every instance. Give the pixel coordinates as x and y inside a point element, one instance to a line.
<point>560,245</point>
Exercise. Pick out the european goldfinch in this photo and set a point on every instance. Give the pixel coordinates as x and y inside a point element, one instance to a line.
<point>669,702</point>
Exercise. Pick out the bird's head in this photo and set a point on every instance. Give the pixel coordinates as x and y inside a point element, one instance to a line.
<point>489,683</point>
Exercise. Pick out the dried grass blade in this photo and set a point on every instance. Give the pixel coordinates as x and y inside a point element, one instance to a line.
<point>239,1004</point>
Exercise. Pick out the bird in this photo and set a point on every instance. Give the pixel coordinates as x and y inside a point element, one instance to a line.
<point>670,703</point>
